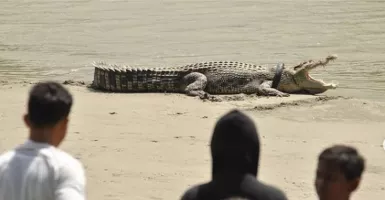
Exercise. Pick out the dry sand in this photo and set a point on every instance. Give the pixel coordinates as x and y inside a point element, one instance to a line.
<point>154,146</point>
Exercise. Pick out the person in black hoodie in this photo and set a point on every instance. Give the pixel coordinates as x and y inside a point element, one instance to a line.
<point>235,155</point>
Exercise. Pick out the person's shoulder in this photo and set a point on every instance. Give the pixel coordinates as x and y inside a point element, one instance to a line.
<point>65,157</point>
<point>69,168</point>
<point>192,192</point>
<point>67,162</point>
<point>6,157</point>
<point>263,190</point>
<point>272,192</point>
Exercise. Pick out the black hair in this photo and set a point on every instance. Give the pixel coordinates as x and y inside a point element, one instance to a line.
<point>48,103</point>
<point>346,158</point>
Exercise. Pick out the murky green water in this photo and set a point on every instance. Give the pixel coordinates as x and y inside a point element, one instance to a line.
<point>43,39</point>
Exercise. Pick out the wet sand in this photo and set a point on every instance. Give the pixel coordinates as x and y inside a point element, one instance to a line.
<point>154,146</point>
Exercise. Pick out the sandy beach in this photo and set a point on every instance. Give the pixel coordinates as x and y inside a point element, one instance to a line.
<point>154,146</point>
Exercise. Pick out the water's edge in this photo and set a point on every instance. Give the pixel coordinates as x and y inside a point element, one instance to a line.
<point>58,40</point>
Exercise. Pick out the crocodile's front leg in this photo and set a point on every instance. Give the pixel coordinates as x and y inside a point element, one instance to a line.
<point>196,83</point>
<point>265,89</point>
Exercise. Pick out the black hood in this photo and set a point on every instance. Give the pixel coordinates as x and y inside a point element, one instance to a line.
<point>235,156</point>
<point>235,145</point>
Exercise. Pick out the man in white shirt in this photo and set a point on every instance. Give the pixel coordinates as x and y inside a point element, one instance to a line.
<point>37,169</point>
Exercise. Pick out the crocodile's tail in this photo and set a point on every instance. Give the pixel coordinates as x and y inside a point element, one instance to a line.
<point>116,78</point>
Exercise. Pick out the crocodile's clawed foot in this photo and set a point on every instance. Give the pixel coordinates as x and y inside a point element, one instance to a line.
<point>215,99</point>
<point>207,97</point>
<point>201,94</point>
<point>283,95</point>
<point>198,93</point>
<point>204,95</point>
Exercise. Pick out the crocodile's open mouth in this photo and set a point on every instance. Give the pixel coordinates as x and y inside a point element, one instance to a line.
<point>308,83</point>
<point>310,78</point>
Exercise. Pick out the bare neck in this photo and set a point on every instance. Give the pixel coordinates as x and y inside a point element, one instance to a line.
<point>42,135</point>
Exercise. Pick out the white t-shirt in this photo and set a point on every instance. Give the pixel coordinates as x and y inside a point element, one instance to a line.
<point>40,171</point>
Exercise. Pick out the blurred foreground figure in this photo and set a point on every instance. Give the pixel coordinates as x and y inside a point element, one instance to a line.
<point>37,169</point>
<point>235,155</point>
<point>339,172</point>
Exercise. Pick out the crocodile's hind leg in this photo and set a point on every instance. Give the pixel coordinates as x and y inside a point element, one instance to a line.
<point>195,84</point>
<point>265,89</point>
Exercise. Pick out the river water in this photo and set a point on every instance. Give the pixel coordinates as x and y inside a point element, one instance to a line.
<point>57,39</point>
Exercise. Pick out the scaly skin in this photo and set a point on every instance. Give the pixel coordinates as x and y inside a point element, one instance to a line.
<point>203,79</point>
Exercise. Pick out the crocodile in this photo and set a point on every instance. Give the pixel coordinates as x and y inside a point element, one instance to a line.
<point>213,78</point>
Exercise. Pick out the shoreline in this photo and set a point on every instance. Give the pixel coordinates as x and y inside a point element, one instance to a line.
<point>155,145</point>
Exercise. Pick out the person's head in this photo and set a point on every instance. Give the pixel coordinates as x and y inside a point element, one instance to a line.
<point>235,145</point>
<point>49,105</point>
<point>339,172</point>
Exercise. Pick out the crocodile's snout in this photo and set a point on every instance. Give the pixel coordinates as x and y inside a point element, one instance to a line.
<point>331,57</point>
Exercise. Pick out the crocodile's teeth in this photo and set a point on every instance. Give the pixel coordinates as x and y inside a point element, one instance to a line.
<point>335,82</point>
